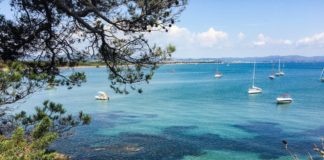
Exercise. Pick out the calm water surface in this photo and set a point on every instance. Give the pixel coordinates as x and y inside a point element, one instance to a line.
<point>185,113</point>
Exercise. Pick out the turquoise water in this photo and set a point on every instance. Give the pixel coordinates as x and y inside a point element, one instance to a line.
<point>185,113</point>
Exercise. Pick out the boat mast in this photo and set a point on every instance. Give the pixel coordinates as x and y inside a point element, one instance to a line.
<point>279,66</point>
<point>217,67</point>
<point>272,68</point>
<point>322,74</point>
<point>253,75</point>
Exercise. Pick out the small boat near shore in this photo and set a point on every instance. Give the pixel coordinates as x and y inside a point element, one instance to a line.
<point>284,99</point>
<point>102,96</point>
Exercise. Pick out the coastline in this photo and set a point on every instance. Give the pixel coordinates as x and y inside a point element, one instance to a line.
<point>81,66</point>
<point>173,63</point>
<point>100,66</point>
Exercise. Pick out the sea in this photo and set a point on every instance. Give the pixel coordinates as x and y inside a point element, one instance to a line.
<point>185,113</point>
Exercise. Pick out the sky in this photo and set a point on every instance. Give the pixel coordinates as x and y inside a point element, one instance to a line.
<point>244,28</point>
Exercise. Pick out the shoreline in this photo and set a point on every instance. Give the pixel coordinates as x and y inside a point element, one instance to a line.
<point>81,66</point>
<point>177,63</point>
<point>174,63</point>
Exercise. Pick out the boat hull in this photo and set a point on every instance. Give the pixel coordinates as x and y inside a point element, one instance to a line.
<point>255,90</point>
<point>284,100</point>
<point>101,98</point>
<point>280,74</point>
<point>218,76</point>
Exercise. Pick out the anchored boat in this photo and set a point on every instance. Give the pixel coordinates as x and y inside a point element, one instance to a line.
<point>322,78</point>
<point>254,89</point>
<point>272,75</point>
<point>284,99</point>
<point>102,96</point>
<point>280,71</point>
<point>218,74</point>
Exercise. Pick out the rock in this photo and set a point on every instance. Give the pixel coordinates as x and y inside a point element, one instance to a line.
<point>60,156</point>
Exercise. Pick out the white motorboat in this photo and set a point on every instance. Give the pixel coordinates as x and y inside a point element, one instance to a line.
<point>254,89</point>
<point>218,75</point>
<point>102,96</point>
<point>284,99</point>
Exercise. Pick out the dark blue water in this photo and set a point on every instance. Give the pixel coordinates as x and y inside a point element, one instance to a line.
<point>185,113</point>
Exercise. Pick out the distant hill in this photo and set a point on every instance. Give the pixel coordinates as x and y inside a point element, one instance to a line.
<point>267,59</point>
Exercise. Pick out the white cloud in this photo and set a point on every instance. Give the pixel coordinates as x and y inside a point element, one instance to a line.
<point>183,37</point>
<point>178,32</point>
<point>286,42</point>
<point>217,43</point>
<point>211,38</point>
<point>241,36</point>
<point>317,39</point>
<point>191,44</point>
<point>263,40</point>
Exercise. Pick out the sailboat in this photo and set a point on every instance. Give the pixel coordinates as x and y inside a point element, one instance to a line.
<point>322,78</point>
<point>280,72</point>
<point>254,89</point>
<point>218,74</point>
<point>272,76</point>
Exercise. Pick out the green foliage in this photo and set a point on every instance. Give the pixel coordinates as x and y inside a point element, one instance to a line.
<point>52,113</point>
<point>36,132</point>
<point>45,35</point>
<point>170,49</point>
<point>42,128</point>
<point>18,80</point>
<point>20,147</point>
